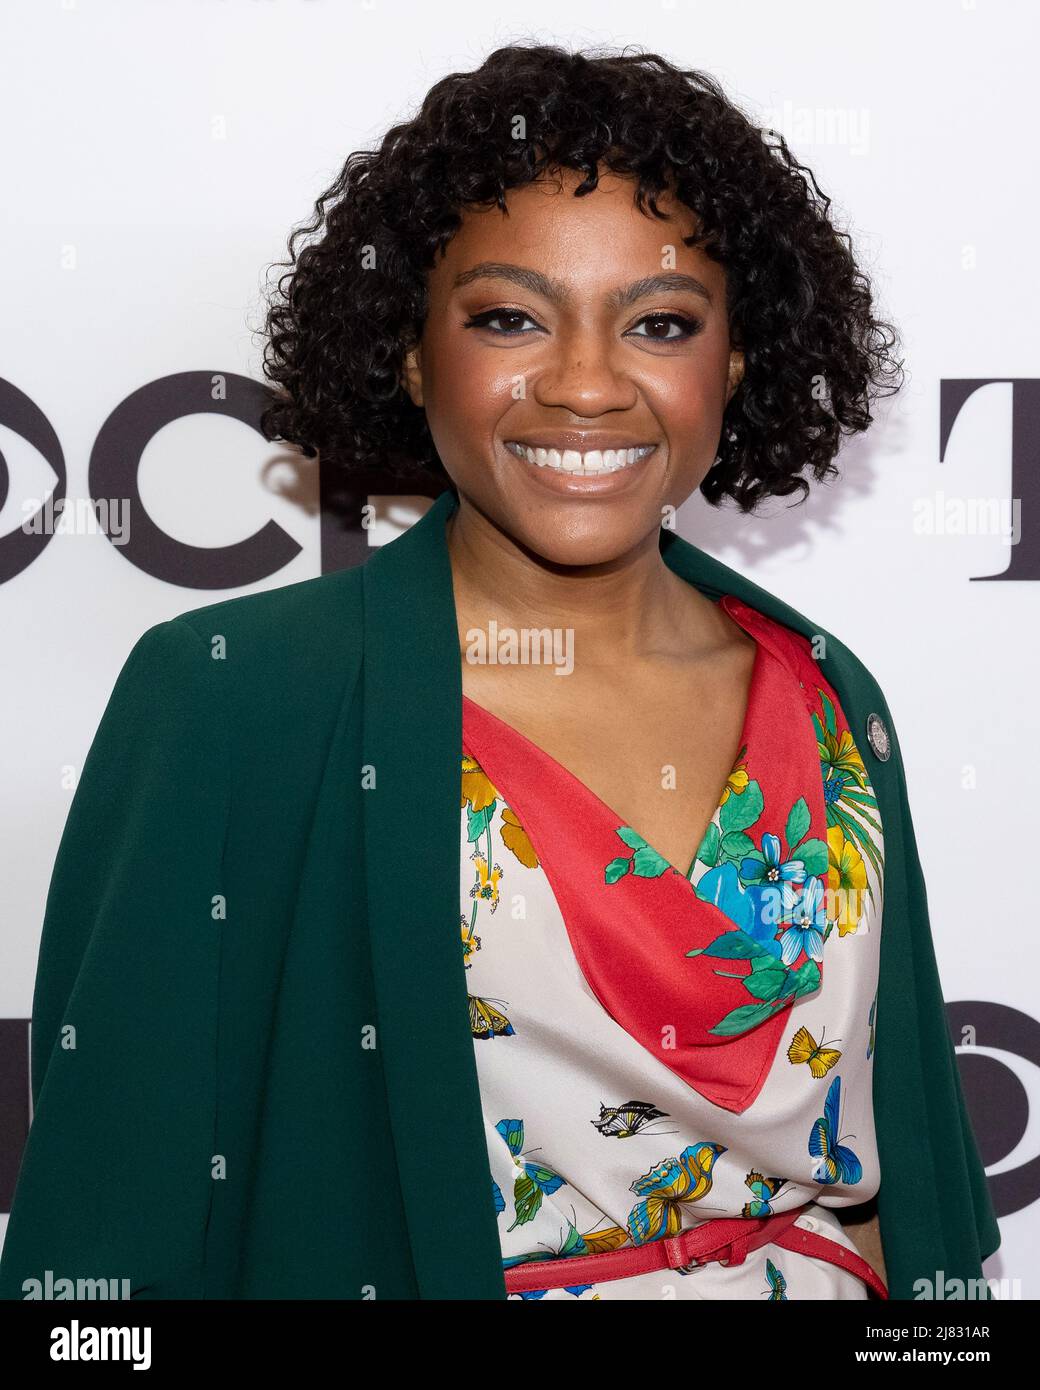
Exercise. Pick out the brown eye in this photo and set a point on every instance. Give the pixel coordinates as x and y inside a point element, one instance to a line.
<point>687,327</point>
<point>512,316</point>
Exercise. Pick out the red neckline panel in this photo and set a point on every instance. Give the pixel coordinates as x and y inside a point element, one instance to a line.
<point>631,936</point>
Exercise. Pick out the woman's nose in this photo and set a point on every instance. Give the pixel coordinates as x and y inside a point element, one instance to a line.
<point>583,372</point>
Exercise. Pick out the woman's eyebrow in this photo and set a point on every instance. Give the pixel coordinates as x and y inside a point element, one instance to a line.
<point>557,292</point>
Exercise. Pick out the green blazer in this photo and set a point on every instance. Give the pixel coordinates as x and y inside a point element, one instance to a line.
<point>252,1069</point>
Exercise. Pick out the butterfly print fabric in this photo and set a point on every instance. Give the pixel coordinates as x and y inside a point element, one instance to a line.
<point>661,1045</point>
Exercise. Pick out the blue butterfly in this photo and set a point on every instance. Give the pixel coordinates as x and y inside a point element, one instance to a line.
<point>764,1190</point>
<point>777,1284</point>
<point>574,1244</point>
<point>533,1182</point>
<point>834,1162</point>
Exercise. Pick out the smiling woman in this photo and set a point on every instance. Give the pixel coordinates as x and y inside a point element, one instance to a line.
<point>601,292</point>
<point>611,976</point>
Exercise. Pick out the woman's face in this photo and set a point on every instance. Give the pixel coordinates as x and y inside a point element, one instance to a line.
<point>576,327</point>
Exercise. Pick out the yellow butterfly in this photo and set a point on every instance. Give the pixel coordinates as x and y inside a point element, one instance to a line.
<point>608,1238</point>
<point>805,1048</point>
<point>666,1187</point>
<point>486,1021</point>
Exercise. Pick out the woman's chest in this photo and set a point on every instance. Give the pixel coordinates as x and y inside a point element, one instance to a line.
<point>657,753</point>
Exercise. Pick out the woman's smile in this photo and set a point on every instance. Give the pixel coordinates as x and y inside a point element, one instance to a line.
<point>590,472</point>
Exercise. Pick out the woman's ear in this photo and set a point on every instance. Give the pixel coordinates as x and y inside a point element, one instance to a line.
<point>411,375</point>
<point>736,373</point>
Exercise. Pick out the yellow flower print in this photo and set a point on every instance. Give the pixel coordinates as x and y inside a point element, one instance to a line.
<point>514,837</point>
<point>481,792</point>
<point>486,886</point>
<point>477,787</point>
<point>846,879</point>
<point>738,779</point>
<point>843,756</point>
<point>848,796</point>
<point>470,943</point>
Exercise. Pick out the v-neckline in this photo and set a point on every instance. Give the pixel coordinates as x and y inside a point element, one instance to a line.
<point>609,810</point>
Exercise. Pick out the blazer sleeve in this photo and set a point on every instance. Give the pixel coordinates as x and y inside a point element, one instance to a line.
<point>959,1145</point>
<point>115,1181</point>
<point>965,1209</point>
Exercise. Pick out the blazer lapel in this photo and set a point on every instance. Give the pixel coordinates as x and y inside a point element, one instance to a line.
<point>412,683</point>
<point>412,677</point>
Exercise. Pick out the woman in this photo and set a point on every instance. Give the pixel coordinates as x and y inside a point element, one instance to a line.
<point>263,1063</point>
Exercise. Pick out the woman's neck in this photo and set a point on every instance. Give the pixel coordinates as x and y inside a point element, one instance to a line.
<point>632,610</point>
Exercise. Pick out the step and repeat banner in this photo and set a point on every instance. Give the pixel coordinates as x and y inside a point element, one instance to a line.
<point>155,159</point>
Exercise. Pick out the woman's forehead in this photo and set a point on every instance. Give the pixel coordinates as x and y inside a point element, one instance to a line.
<point>601,238</point>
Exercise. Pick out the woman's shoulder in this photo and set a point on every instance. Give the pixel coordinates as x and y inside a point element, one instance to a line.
<point>806,646</point>
<point>798,636</point>
<point>322,613</point>
<point>278,654</point>
<point>832,694</point>
<point>816,657</point>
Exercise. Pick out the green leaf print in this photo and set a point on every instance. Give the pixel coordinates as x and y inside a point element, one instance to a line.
<point>617,868</point>
<point>733,945</point>
<point>736,845</point>
<point>806,977</point>
<point>813,854</point>
<point>767,979</point>
<point>797,823</point>
<point>708,851</point>
<point>478,821</point>
<point>739,812</point>
<point>740,1020</point>
<point>645,862</point>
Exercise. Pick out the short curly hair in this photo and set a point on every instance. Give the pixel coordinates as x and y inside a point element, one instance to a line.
<point>354,300</point>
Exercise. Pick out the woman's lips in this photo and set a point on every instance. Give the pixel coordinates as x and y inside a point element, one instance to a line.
<point>591,462</point>
<point>572,482</point>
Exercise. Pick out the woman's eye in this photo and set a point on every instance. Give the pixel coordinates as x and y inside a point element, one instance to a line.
<point>513,316</point>
<point>687,327</point>
<point>511,321</point>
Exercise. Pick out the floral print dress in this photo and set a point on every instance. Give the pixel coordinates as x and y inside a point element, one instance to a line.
<point>655,1047</point>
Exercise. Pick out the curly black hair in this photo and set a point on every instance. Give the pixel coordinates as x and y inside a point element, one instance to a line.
<point>354,300</point>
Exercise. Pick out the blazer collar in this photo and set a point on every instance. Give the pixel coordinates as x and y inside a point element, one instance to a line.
<point>412,742</point>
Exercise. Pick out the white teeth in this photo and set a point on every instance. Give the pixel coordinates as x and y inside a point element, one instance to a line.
<point>582,464</point>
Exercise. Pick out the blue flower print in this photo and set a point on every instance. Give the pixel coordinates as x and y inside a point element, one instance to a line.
<point>771,868</point>
<point>806,921</point>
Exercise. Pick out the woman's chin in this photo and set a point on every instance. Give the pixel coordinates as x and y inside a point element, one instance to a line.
<point>579,542</point>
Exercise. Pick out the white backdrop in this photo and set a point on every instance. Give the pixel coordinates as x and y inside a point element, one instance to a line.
<point>154,158</point>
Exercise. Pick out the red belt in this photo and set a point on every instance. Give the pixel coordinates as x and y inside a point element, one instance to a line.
<point>727,1240</point>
